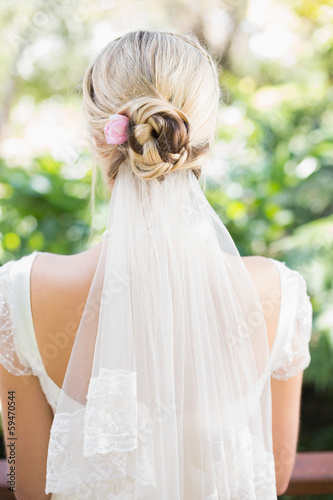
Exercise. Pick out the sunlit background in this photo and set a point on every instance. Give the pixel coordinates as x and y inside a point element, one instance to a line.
<point>270,175</point>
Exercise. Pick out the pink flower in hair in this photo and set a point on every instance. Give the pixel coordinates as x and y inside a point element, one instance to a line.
<point>116,129</point>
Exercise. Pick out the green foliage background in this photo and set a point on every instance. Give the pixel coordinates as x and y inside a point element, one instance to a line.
<point>275,197</point>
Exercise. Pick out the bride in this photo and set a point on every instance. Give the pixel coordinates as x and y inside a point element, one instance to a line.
<point>158,364</point>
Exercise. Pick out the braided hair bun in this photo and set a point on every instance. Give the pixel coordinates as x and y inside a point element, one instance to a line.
<point>167,85</point>
<point>158,137</point>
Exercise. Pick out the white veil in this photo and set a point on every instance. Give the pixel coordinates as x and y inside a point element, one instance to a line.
<point>167,392</point>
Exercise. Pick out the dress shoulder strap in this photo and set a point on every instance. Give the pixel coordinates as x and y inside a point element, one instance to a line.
<point>12,310</point>
<point>291,353</point>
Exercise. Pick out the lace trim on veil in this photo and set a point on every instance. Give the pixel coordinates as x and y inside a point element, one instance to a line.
<point>121,435</point>
<point>116,431</point>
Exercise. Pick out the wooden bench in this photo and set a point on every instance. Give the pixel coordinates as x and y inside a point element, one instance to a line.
<point>312,475</point>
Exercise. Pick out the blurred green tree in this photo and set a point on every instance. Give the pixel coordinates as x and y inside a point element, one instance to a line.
<point>274,148</point>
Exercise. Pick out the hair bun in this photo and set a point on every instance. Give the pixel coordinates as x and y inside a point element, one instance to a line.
<point>159,137</point>
<point>168,87</point>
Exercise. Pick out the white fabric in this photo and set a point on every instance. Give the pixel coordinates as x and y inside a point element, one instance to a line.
<point>15,296</point>
<point>294,302</point>
<point>171,359</point>
<point>290,353</point>
<point>134,454</point>
<point>10,356</point>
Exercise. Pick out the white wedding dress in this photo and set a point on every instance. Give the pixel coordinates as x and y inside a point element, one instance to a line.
<point>18,345</point>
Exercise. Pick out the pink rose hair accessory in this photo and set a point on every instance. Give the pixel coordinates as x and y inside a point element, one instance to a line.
<point>116,129</point>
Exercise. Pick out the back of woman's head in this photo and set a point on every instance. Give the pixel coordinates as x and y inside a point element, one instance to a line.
<point>167,85</point>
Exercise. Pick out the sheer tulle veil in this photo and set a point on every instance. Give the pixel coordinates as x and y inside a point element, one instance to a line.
<point>167,392</point>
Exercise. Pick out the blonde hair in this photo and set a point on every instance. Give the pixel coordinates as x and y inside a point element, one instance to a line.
<point>167,85</point>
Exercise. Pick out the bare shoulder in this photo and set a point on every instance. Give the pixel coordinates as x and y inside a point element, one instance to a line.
<point>65,270</point>
<point>266,278</point>
<point>59,289</point>
<point>264,273</point>
<point>56,279</point>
